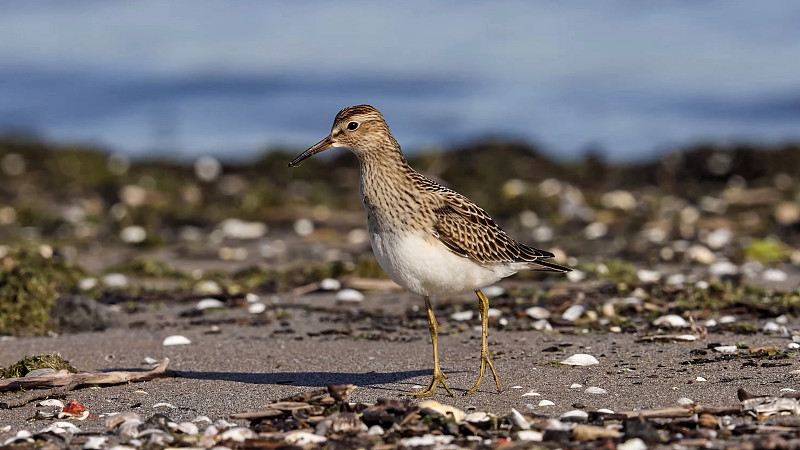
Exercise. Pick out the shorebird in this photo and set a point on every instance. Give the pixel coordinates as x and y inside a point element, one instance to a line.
<point>429,239</point>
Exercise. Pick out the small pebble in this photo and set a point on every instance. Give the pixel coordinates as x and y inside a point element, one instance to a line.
<point>256,308</point>
<point>375,430</point>
<point>771,327</point>
<point>537,312</point>
<point>330,284</point>
<point>595,390</point>
<point>580,359</point>
<point>573,313</point>
<point>349,296</point>
<point>176,340</point>
<point>462,316</point>
<point>209,303</point>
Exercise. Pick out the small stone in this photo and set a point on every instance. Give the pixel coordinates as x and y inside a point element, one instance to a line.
<point>726,349</point>
<point>115,280</point>
<point>648,276</point>
<point>576,275</point>
<point>176,340</point>
<point>330,284</point>
<point>493,291</point>
<point>303,227</point>
<point>375,430</point>
<point>700,254</point>
<point>719,238</point>
<point>462,316</point>
<point>529,436</point>
<point>595,390</point>
<point>209,303</point>
<point>700,379</point>
<point>256,308</point>
<point>573,313</point>
<point>133,234</point>
<point>727,319</point>
<point>774,275</point>
<point>632,444</point>
<point>149,361</point>
<point>771,327</point>
<point>723,268</point>
<point>671,320</point>
<point>542,325</point>
<point>580,359</point>
<point>537,312</point>
<point>87,284</point>
<point>793,346</point>
<point>684,401</point>
<point>349,296</point>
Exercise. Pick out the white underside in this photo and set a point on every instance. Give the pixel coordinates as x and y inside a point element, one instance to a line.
<point>425,266</point>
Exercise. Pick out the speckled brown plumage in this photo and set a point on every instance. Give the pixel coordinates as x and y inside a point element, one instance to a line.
<point>429,239</point>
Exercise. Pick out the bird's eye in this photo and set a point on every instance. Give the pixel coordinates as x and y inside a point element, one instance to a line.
<point>352,126</point>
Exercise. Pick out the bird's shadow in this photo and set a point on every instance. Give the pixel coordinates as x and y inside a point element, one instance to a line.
<point>312,379</point>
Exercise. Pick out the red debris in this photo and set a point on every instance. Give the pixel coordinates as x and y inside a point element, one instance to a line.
<point>73,407</point>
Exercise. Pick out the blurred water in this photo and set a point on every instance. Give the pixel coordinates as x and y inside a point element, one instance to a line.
<point>188,78</point>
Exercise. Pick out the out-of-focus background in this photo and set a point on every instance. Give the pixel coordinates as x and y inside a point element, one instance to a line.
<point>144,144</point>
<point>181,79</point>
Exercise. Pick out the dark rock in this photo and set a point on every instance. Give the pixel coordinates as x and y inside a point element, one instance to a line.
<point>73,314</point>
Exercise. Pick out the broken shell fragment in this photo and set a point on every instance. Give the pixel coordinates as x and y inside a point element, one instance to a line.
<point>580,359</point>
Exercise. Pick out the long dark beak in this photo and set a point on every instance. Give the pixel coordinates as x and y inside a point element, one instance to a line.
<point>316,148</point>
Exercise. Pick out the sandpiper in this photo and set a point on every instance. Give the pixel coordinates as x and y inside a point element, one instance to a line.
<point>430,239</point>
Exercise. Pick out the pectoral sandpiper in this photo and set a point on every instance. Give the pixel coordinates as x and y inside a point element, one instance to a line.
<point>429,239</point>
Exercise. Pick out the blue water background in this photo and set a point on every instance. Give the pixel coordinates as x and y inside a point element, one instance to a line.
<point>184,78</point>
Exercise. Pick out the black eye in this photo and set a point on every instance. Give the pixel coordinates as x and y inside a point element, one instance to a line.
<point>352,126</point>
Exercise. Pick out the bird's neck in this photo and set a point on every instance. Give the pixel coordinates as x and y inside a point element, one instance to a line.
<point>387,189</point>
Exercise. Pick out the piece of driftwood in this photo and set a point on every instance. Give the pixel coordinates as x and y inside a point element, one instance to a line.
<point>682,411</point>
<point>65,378</point>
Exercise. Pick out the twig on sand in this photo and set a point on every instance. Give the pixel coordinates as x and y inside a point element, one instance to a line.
<point>64,381</point>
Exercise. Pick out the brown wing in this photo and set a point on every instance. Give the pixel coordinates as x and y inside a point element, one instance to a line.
<point>466,229</point>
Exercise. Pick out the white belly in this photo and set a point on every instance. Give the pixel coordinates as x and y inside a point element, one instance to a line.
<point>427,267</point>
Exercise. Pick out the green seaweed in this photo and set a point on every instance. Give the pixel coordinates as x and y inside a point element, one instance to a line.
<point>30,363</point>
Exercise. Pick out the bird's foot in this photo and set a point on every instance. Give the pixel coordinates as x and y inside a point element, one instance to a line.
<point>438,378</point>
<point>485,361</point>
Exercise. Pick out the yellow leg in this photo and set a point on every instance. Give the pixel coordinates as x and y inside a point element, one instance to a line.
<point>438,375</point>
<point>483,307</point>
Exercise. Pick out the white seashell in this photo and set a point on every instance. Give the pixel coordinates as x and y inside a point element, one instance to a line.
<point>575,386</point>
<point>477,417</point>
<point>176,340</point>
<point>573,313</point>
<point>95,442</point>
<point>676,279</point>
<point>537,312</point>
<point>632,444</point>
<point>209,287</point>
<point>575,413</point>
<point>349,296</point>
<point>115,280</point>
<point>238,434</point>
<point>503,322</point>
<point>542,325</point>
<point>516,387</point>
<point>605,411</point>
<point>792,345</point>
<point>22,435</point>
<point>782,319</point>
<point>726,349</point>
<point>710,323</point>
<point>532,394</point>
<point>530,436</point>
<point>519,421</point>
<point>546,403</point>
<point>148,360</point>
<point>462,316</point>
<point>51,402</point>
<point>256,308</point>
<point>493,291</point>
<point>648,276</point>
<point>727,319</point>
<point>595,390</point>
<point>209,303</point>
<point>771,327</point>
<point>61,428</point>
<point>685,401</point>
<point>164,405</point>
<point>87,284</point>
<point>427,440</point>
<point>375,430</point>
<point>672,320</point>
<point>299,438</point>
<point>133,234</point>
<point>188,428</point>
<point>330,284</point>
<point>723,268</point>
<point>787,390</point>
<point>701,379</point>
<point>576,275</point>
<point>580,359</point>
<point>774,275</point>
